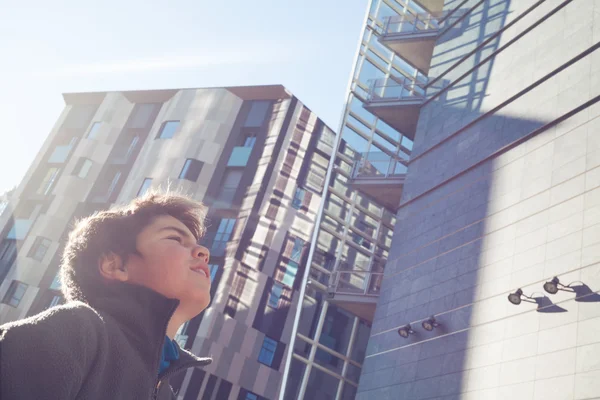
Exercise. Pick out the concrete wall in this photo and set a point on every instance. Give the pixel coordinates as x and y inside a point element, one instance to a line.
<point>502,192</point>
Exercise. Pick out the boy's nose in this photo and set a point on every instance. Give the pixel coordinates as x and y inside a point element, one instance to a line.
<point>202,252</point>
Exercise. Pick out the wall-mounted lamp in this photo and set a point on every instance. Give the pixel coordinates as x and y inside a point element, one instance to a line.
<point>516,297</point>
<point>430,323</point>
<point>554,286</point>
<point>405,331</point>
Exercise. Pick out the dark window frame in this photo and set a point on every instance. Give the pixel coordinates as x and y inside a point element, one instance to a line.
<point>9,297</point>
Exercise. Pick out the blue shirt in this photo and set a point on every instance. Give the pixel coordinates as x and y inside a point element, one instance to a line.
<point>169,353</point>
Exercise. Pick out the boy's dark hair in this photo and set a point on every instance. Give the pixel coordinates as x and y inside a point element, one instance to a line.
<point>116,231</point>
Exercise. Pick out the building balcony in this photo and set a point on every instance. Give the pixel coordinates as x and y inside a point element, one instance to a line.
<point>379,176</point>
<point>413,36</point>
<point>433,6</point>
<point>356,291</point>
<point>397,101</point>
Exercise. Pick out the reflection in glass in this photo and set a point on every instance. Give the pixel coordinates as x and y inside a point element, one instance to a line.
<point>353,372</point>
<point>311,309</point>
<point>356,106</point>
<point>353,142</point>
<point>329,361</point>
<point>302,348</point>
<point>354,259</point>
<point>337,328</point>
<point>349,392</point>
<point>321,386</point>
<point>360,342</point>
<point>295,376</point>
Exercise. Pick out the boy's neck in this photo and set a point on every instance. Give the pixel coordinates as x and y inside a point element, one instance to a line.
<point>175,323</point>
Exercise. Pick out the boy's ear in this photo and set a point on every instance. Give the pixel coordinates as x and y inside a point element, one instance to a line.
<point>111,267</point>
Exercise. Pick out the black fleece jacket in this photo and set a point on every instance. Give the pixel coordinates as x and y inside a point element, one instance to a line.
<point>107,349</point>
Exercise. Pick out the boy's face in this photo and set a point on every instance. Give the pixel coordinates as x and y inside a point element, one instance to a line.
<point>172,264</point>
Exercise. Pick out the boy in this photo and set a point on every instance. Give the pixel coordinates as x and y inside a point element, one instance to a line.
<point>131,277</point>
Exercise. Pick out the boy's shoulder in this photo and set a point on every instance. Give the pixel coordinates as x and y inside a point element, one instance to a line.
<point>74,315</point>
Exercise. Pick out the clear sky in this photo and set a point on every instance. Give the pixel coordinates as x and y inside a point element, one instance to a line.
<point>52,47</point>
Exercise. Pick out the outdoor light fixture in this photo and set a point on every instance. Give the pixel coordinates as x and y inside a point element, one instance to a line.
<point>430,323</point>
<point>554,286</point>
<point>405,331</point>
<point>515,297</point>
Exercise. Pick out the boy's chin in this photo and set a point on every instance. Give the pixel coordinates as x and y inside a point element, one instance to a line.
<point>198,302</point>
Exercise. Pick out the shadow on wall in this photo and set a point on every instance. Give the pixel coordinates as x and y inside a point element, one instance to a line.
<point>456,260</point>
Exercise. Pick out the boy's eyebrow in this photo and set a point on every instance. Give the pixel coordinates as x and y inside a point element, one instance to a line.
<point>178,230</point>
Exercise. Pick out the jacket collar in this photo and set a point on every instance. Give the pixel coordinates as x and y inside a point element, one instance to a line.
<point>143,315</point>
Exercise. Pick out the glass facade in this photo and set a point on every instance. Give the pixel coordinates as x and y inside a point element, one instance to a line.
<point>355,232</point>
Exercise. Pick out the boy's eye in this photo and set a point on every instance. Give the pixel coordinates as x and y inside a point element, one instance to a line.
<point>176,238</point>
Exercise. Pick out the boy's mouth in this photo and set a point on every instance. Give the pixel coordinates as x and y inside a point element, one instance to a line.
<point>201,269</point>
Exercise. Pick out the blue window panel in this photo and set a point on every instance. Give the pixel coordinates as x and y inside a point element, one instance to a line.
<point>60,154</point>
<point>275,295</point>
<point>257,113</point>
<point>93,132</point>
<point>298,198</point>
<point>222,236</point>
<point>297,250</point>
<point>19,229</point>
<point>239,156</point>
<point>168,129</point>
<point>290,274</point>
<point>267,352</point>
<point>213,271</point>
<point>56,285</point>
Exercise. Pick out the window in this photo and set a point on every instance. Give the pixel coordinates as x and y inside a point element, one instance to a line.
<point>145,186</point>
<point>39,248</point>
<point>131,147</point>
<point>191,170</point>
<point>291,270</point>
<point>56,300</point>
<point>3,205</point>
<point>61,153</point>
<point>275,295</point>
<point>20,229</point>
<point>249,137</point>
<point>222,236</point>
<point>83,167</point>
<point>15,293</point>
<point>257,113</point>
<point>249,141</point>
<point>8,249</point>
<point>297,250</point>
<point>168,129</point>
<point>213,271</point>
<point>93,132</point>
<point>267,352</point>
<point>114,182</point>
<point>55,285</point>
<point>48,181</point>
<point>231,181</point>
<point>298,198</point>
<point>250,396</point>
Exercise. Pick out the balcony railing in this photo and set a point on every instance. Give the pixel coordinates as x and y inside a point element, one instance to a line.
<point>356,282</point>
<point>390,89</point>
<point>407,24</point>
<point>377,164</point>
